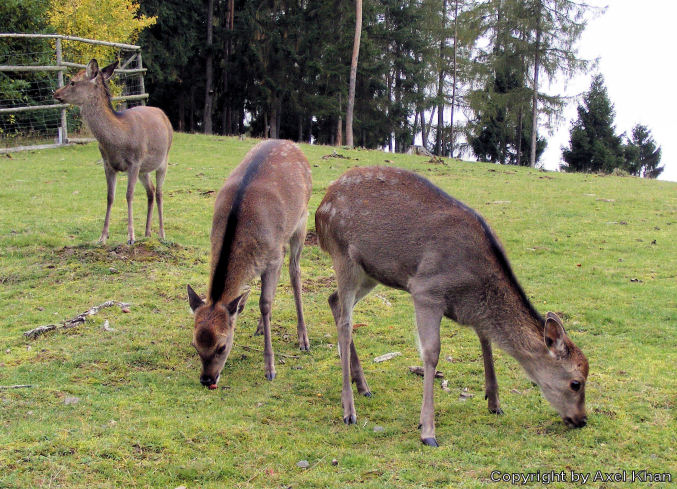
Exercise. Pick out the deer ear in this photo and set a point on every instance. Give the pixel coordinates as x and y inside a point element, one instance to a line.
<point>554,335</point>
<point>107,72</point>
<point>194,299</point>
<point>92,69</point>
<point>237,305</point>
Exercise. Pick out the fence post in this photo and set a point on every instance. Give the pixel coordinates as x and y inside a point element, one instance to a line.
<point>63,130</point>
<point>142,85</point>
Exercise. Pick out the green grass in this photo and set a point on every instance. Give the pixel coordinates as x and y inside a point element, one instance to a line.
<point>601,251</point>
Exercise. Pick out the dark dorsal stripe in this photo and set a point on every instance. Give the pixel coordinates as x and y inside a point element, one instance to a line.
<point>221,269</point>
<point>495,247</point>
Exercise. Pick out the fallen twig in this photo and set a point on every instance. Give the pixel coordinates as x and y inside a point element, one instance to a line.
<point>419,371</point>
<point>250,348</point>
<point>76,321</point>
<point>19,386</point>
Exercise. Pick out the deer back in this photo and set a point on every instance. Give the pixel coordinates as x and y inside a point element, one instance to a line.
<point>256,211</point>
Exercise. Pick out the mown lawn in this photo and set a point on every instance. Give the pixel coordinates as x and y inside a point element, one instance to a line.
<point>124,408</point>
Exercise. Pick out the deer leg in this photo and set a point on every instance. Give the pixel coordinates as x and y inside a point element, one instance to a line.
<point>150,194</point>
<point>490,383</point>
<point>428,322</point>
<point>348,278</point>
<point>295,246</point>
<point>357,374</point>
<point>111,176</point>
<point>132,177</point>
<point>269,280</point>
<point>159,180</point>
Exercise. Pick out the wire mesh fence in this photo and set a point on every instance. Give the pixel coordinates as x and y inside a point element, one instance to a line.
<point>33,66</point>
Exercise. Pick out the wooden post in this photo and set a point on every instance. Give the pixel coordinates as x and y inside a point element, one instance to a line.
<point>63,129</point>
<point>142,85</point>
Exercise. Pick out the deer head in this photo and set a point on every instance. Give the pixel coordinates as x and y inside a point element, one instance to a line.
<point>561,373</point>
<point>87,85</point>
<point>213,333</point>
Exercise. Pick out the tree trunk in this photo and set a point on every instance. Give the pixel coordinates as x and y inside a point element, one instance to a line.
<point>440,84</point>
<point>519,137</point>
<point>193,108</point>
<point>182,111</point>
<point>339,131</point>
<point>227,116</point>
<point>452,136</point>
<point>353,73</point>
<point>209,75</point>
<point>534,102</point>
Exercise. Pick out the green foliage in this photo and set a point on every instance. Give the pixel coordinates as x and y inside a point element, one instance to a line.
<point>641,154</point>
<point>593,248</point>
<point>594,145</point>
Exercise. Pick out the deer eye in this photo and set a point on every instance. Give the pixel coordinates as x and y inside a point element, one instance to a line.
<point>220,350</point>
<point>575,385</point>
<point>72,84</point>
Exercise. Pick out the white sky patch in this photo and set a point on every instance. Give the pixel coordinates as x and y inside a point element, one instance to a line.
<point>634,42</point>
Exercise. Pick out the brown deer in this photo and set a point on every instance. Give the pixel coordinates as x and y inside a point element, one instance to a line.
<point>262,207</point>
<point>135,141</point>
<point>390,226</point>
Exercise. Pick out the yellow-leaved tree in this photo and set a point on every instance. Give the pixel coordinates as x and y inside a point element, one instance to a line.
<point>103,20</point>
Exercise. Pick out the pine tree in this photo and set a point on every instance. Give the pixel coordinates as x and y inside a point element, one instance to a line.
<point>594,145</point>
<point>643,157</point>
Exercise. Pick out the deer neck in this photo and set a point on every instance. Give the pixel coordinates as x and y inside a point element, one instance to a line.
<point>519,333</point>
<point>102,120</point>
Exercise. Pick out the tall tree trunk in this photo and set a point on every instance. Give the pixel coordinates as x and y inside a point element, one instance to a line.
<point>440,84</point>
<point>193,108</point>
<point>339,131</point>
<point>227,115</point>
<point>209,75</point>
<point>430,123</point>
<point>182,111</point>
<point>452,136</point>
<point>534,102</point>
<point>519,137</point>
<point>274,119</point>
<point>300,134</point>
<point>353,73</point>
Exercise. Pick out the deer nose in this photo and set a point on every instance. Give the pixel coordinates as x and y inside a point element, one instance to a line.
<point>576,423</point>
<point>206,380</point>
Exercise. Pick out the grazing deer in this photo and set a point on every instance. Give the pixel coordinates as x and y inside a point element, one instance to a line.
<point>135,141</point>
<point>390,226</point>
<point>262,206</point>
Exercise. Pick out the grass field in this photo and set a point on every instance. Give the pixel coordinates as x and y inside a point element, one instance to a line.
<point>124,408</point>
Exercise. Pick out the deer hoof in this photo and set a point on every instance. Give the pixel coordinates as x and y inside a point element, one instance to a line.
<point>497,411</point>
<point>130,242</point>
<point>352,419</point>
<point>367,394</point>
<point>270,375</point>
<point>431,442</point>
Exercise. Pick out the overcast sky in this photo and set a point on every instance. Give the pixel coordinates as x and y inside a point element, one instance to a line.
<point>636,43</point>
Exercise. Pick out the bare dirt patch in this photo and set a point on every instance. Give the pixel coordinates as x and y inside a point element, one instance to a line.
<point>138,252</point>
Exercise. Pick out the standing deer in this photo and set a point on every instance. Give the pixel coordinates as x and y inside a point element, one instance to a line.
<point>390,226</point>
<point>135,141</point>
<point>262,206</point>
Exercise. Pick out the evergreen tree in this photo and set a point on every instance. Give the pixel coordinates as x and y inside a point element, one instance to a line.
<point>594,145</point>
<point>642,156</point>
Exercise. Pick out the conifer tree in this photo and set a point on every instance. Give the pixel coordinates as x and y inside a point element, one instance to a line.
<point>594,145</point>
